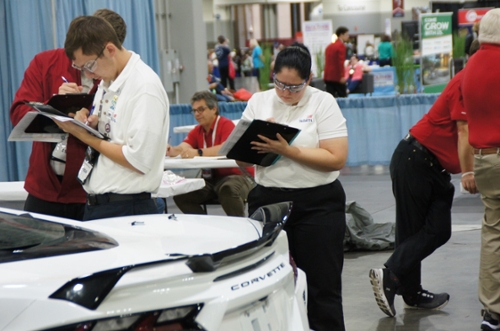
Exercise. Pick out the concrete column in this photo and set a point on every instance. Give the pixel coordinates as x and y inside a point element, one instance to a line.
<point>185,40</point>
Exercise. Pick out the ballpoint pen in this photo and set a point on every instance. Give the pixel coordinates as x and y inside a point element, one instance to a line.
<point>92,110</point>
<point>64,79</point>
<point>168,143</point>
<point>90,114</point>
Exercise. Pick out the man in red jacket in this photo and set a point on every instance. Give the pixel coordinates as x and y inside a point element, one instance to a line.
<point>51,181</point>
<point>335,55</point>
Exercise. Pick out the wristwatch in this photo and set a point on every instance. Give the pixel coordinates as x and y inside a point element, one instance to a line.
<point>200,152</point>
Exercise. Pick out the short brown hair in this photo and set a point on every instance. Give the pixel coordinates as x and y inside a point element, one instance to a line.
<point>91,34</point>
<point>341,30</point>
<point>115,20</point>
<point>386,37</point>
<point>209,97</point>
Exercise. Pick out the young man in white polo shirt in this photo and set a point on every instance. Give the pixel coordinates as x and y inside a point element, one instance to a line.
<point>131,110</point>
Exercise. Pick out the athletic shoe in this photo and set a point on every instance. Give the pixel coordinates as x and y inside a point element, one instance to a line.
<point>426,300</point>
<point>384,285</point>
<point>489,323</point>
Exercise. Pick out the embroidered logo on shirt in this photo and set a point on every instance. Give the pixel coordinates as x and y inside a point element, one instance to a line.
<point>308,119</point>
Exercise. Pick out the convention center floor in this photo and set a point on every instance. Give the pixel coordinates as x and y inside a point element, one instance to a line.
<point>453,268</point>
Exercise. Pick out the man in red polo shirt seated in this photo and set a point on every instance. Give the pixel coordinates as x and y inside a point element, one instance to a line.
<point>228,185</point>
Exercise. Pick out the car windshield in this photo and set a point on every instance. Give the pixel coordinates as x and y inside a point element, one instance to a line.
<point>24,237</point>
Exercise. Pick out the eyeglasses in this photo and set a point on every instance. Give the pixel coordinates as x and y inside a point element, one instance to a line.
<point>292,88</point>
<point>199,110</point>
<point>90,66</point>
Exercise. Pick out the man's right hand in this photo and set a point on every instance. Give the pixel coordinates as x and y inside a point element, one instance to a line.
<point>170,151</point>
<point>469,183</point>
<point>68,88</point>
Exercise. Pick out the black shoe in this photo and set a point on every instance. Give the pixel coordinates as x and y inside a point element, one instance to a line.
<point>489,323</point>
<point>384,285</point>
<point>426,300</point>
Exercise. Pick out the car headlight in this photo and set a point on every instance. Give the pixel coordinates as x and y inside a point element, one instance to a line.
<point>171,319</point>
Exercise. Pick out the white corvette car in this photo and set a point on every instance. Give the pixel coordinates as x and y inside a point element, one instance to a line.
<point>149,273</point>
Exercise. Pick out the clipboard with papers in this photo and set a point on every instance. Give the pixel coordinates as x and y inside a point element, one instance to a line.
<point>39,125</point>
<point>238,147</point>
<point>64,104</point>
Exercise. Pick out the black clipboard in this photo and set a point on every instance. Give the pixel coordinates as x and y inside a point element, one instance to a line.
<point>42,128</point>
<point>64,104</point>
<point>238,145</point>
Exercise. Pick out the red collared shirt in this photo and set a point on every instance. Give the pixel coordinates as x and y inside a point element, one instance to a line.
<point>197,136</point>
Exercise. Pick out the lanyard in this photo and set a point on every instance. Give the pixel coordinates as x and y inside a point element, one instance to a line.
<point>99,115</point>
<point>213,133</point>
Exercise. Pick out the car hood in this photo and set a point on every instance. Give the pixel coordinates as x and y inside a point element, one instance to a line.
<point>140,240</point>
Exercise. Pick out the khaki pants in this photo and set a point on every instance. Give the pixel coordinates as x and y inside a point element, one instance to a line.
<point>231,191</point>
<point>487,174</point>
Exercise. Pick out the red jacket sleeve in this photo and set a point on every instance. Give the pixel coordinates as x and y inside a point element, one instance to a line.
<point>42,80</point>
<point>31,89</point>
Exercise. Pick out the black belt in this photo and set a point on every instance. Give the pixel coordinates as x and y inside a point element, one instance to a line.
<point>434,160</point>
<point>284,189</point>
<point>411,139</point>
<point>99,199</point>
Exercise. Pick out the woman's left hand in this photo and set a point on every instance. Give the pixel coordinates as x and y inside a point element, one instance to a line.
<point>267,145</point>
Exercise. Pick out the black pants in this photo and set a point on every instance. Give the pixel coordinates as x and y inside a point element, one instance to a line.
<point>424,196</point>
<point>315,232</point>
<point>338,90</point>
<point>385,62</point>
<point>120,208</point>
<point>224,77</point>
<point>67,210</point>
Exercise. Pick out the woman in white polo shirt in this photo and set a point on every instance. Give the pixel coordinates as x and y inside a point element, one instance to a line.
<point>306,173</point>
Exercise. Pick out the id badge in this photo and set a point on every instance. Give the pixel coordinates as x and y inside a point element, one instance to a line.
<point>84,172</point>
<point>91,156</point>
<point>207,173</point>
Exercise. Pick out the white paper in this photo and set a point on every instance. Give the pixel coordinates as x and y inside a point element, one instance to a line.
<point>69,119</point>
<point>238,131</point>
<point>19,134</point>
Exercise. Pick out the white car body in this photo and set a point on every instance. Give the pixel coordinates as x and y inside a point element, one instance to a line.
<point>163,262</point>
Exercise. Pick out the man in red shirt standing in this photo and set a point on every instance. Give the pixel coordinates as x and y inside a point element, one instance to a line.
<point>420,171</point>
<point>335,55</point>
<point>480,87</point>
<point>52,186</point>
<point>227,185</point>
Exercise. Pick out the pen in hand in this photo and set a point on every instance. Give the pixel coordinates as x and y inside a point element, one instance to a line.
<point>64,79</point>
<point>90,114</point>
<point>168,143</point>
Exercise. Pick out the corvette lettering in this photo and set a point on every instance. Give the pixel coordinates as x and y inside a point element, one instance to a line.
<point>262,278</point>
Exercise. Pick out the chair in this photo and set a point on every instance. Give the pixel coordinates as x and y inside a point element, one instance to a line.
<point>213,202</point>
<point>367,84</point>
<point>318,83</point>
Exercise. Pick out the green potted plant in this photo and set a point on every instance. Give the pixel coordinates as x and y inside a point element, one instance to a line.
<point>320,63</point>
<point>265,72</point>
<point>458,52</point>
<point>402,61</point>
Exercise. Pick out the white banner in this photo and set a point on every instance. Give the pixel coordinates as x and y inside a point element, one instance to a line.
<point>317,36</point>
